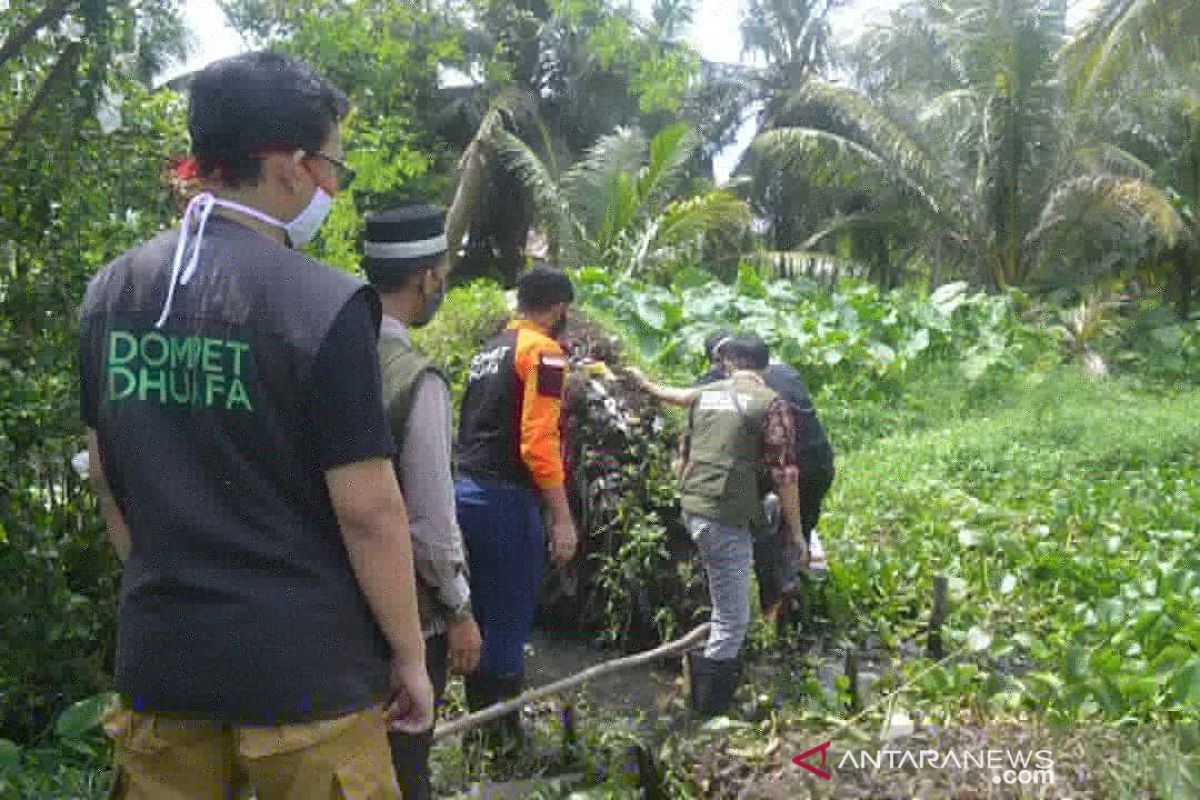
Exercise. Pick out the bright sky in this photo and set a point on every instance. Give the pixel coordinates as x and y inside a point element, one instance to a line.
<point>714,34</point>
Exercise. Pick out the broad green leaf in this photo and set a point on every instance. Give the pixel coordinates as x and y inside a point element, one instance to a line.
<point>83,717</point>
<point>946,299</point>
<point>969,538</point>
<point>10,756</point>
<point>916,344</point>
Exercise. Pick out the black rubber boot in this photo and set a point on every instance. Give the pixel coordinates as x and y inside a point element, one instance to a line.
<point>713,684</point>
<point>511,734</point>
<point>481,693</point>
<point>726,676</point>
<point>699,681</point>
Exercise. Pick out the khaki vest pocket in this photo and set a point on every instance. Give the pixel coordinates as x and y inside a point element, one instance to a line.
<point>705,480</point>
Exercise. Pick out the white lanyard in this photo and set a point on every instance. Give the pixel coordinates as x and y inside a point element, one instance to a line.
<point>201,208</point>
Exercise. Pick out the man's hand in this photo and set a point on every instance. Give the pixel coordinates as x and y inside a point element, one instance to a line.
<point>563,540</point>
<point>638,376</point>
<point>798,550</point>
<point>410,708</point>
<point>464,643</point>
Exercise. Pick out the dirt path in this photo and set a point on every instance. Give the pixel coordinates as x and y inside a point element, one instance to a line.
<point>641,689</point>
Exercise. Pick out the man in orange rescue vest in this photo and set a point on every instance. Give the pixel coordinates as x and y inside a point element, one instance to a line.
<point>508,455</point>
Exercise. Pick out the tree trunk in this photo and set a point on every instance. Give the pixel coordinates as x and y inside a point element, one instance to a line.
<point>50,15</point>
<point>466,198</point>
<point>59,73</point>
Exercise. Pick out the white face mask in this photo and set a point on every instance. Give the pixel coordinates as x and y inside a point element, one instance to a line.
<point>300,231</point>
<point>304,227</point>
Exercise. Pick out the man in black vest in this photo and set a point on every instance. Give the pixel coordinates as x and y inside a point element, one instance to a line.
<point>509,458</point>
<point>406,261</point>
<point>268,630</point>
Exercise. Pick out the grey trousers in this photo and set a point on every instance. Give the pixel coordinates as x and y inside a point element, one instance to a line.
<point>728,556</point>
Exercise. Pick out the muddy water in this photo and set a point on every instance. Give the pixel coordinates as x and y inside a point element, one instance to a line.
<point>645,689</point>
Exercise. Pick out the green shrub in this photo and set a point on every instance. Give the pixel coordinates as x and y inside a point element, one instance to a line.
<point>470,316</point>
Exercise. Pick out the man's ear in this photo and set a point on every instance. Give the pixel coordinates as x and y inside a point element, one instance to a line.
<point>283,170</point>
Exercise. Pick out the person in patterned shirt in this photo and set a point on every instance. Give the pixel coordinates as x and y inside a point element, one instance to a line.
<point>740,438</point>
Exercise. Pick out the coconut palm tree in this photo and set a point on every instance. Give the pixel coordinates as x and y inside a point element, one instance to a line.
<point>1143,172</point>
<point>1134,67</point>
<point>960,126</point>
<point>1121,32</point>
<point>628,205</point>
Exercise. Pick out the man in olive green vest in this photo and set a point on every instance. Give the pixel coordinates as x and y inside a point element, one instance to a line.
<point>740,438</point>
<point>405,260</point>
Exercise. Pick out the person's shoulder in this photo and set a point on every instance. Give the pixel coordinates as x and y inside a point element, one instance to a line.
<point>780,368</point>
<point>534,339</point>
<point>535,349</point>
<point>320,275</point>
<point>138,262</point>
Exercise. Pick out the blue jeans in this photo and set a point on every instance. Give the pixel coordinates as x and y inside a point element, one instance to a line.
<point>502,529</point>
<point>728,555</point>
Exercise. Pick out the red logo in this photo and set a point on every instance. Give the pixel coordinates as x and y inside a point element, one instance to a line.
<point>802,761</point>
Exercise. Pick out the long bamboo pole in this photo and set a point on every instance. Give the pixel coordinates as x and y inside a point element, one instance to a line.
<point>591,673</point>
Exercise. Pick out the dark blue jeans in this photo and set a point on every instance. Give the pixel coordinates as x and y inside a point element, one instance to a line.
<point>502,528</point>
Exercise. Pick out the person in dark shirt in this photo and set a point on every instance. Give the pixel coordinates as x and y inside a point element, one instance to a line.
<point>268,630</point>
<point>509,457</point>
<point>739,435</point>
<point>774,570</point>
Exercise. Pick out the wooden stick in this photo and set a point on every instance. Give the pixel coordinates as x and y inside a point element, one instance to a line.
<point>941,593</point>
<point>591,673</point>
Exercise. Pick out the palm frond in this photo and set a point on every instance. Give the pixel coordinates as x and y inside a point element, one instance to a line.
<point>953,102</point>
<point>588,182</point>
<point>670,153</point>
<point>717,212</point>
<point>1131,202</point>
<point>1108,159</point>
<point>840,223</point>
<point>1122,31</point>
<point>551,204</point>
<point>792,145</point>
<point>897,147</point>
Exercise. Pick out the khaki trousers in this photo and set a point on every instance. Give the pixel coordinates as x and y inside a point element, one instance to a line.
<point>168,758</point>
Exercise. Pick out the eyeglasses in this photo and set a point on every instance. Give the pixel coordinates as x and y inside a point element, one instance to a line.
<point>345,173</point>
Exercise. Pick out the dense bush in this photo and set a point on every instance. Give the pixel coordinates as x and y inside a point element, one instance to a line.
<point>469,316</point>
<point>58,602</point>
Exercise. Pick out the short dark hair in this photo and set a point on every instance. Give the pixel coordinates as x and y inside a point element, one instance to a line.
<point>715,338</point>
<point>746,351</point>
<point>542,287</point>
<point>248,105</point>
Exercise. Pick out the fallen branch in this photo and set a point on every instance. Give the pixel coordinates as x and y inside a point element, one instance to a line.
<point>591,673</point>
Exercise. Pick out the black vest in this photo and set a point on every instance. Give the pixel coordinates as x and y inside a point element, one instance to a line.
<point>489,434</point>
<point>238,602</point>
